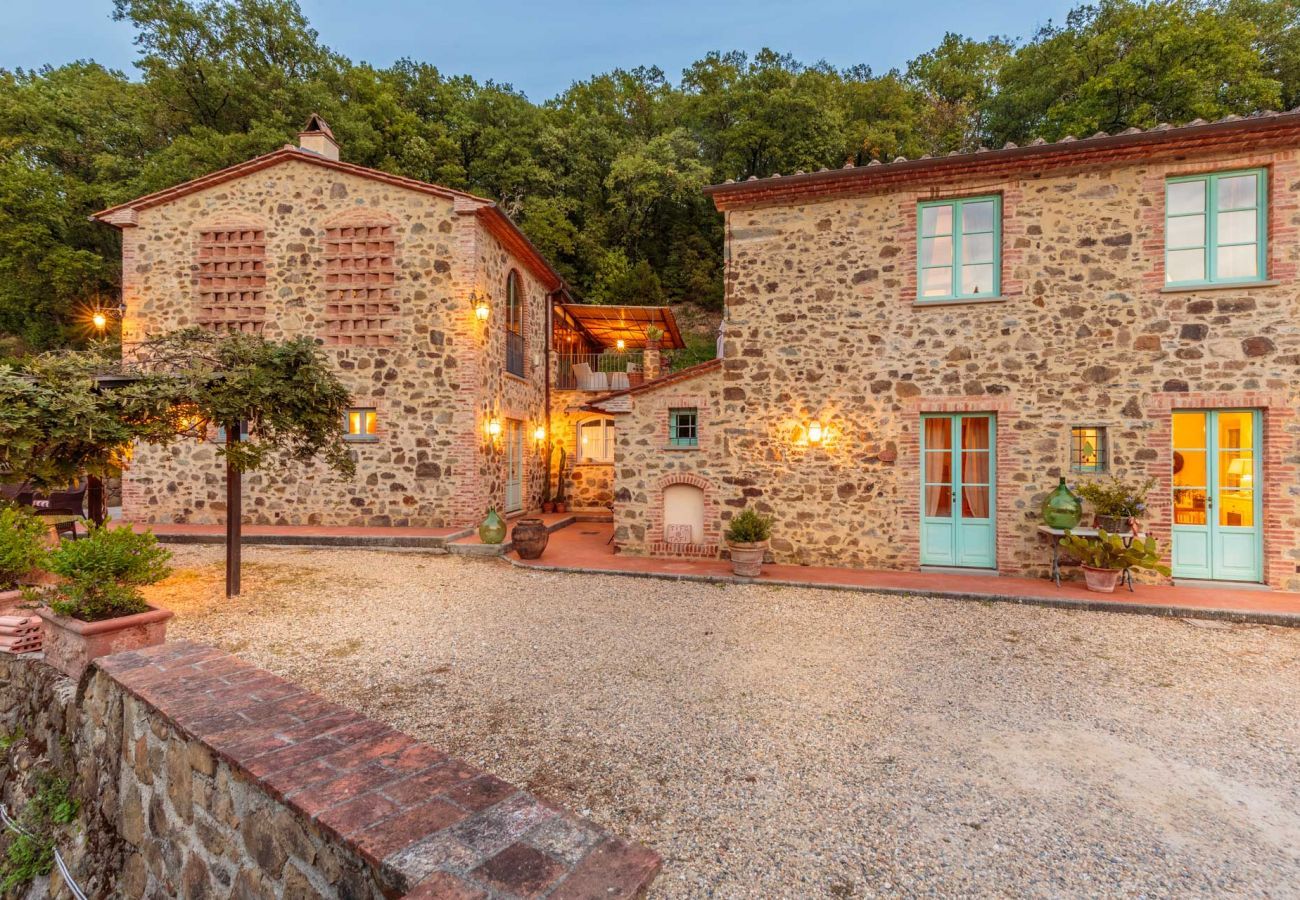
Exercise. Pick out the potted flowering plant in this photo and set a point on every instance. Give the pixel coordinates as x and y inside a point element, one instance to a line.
<point>22,547</point>
<point>1115,502</point>
<point>97,607</point>
<point>1105,557</point>
<point>747,539</point>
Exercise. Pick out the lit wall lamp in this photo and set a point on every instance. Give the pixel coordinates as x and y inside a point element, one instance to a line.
<point>100,316</point>
<point>539,435</point>
<point>622,345</point>
<point>814,432</point>
<point>481,307</point>
<point>494,428</point>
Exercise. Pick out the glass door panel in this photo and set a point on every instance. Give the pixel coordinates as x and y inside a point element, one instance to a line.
<point>957,525</point>
<point>1216,532</point>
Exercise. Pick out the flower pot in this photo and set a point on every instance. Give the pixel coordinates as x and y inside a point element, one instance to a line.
<point>561,507</point>
<point>548,507</point>
<point>1102,581</point>
<point>747,559</point>
<point>71,644</point>
<point>1111,524</point>
<point>493,529</point>
<point>529,538</point>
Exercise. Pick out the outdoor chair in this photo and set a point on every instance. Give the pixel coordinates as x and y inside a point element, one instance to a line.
<point>62,504</point>
<point>18,493</point>
<point>589,380</point>
<point>618,381</point>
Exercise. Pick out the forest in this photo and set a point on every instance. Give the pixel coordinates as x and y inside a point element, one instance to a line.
<point>605,178</point>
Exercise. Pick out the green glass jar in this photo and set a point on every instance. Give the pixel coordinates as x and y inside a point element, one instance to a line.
<point>493,529</point>
<point>1062,508</point>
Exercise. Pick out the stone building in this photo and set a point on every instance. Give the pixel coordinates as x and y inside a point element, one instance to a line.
<point>385,272</point>
<point>916,351</point>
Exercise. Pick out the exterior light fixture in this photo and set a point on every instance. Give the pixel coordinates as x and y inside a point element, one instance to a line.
<point>540,434</point>
<point>814,432</point>
<point>481,308</point>
<point>622,345</point>
<point>99,320</point>
<point>494,428</point>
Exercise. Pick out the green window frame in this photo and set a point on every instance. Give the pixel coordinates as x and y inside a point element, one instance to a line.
<point>959,249</point>
<point>1216,228</point>
<point>684,427</point>
<point>1088,450</point>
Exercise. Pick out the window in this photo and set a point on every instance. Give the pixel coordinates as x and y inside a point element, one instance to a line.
<point>359,425</point>
<point>596,441</point>
<point>1215,228</point>
<point>219,436</point>
<point>1087,449</point>
<point>960,249</point>
<point>514,325</point>
<point>683,427</point>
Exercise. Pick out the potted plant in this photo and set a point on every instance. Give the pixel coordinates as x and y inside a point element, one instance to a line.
<point>747,537</point>
<point>21,550</point>
<point>653,335</point>
<point>1105,557</point>
<point>97,607</point>
<point>548,505</point>
<point>559,483</point>
<point>1115,502</point>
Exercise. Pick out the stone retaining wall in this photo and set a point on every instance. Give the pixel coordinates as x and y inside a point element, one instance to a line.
<point>203,776</point>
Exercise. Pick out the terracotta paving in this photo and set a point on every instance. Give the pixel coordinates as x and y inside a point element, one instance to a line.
<point>585,547</point>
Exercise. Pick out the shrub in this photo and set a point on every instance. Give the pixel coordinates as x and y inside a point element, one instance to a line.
<point>748,527</point>
<point>1107,551</point>
<point>104,573</point>
<point>1116,497</point>
<point>21,547</point>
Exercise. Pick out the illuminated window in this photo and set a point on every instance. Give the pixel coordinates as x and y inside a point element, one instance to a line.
<point>1087,449</point>
<point>360,425</point>
<point>683,427</point>
<point>596,441</point>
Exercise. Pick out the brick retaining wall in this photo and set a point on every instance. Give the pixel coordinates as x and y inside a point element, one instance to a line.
<point>211,778</point>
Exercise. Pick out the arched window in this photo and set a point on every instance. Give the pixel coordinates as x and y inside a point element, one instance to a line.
<point>514,325</point>
<point>596,440</point>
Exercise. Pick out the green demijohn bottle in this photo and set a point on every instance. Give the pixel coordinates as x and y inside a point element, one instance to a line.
<point>493,529</point>
<point>1062,508</point>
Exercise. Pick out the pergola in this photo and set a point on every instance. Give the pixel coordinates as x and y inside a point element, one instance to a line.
<point>604,326</point>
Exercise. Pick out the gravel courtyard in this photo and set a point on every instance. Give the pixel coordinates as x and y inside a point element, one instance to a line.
<point>777,742</point>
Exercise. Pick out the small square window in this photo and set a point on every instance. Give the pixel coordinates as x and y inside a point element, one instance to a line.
<point>360,425</point>
<point>219,436</point>
<point>1088,449</point>
<point>683,427</point>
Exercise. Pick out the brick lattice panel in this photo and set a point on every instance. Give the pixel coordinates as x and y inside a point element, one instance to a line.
<point>360,297</point>
<point>232,279</point>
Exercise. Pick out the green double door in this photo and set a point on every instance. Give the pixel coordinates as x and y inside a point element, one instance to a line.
<point>958,459</point>
<point>1217,502</point>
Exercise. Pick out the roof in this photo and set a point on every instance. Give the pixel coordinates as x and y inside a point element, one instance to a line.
<point>123,215</point>
<point>607,325</point>
<point>1229,133</point>
<point>686,374</point>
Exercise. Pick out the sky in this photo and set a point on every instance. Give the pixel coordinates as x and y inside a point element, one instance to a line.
<point>542,47</point>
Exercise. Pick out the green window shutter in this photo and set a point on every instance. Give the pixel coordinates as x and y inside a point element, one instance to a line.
<point>683,427</point>
<point>1216,228</point>
<point>959,249</point>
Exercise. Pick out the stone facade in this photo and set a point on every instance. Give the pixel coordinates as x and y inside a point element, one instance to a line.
<point>199,775</point>
<point>380,270</point>
<point>822,324</point>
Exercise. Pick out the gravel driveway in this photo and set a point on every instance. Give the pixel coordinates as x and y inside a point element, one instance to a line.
<point>776,742</point>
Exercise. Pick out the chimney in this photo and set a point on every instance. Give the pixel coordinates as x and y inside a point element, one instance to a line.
<point>651,360</point>
<point>317,138</point>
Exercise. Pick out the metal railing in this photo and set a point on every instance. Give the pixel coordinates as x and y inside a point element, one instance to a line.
<point>608,371</point>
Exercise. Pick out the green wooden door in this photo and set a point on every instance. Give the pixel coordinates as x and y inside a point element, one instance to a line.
<point>1217,504</point>
<point>957,491</point>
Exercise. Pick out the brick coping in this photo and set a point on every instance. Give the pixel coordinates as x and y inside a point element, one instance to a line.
<point>430,825</point>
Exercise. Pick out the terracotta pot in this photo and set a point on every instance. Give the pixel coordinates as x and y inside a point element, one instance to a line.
<point>71,644</point>
<point>561,507</point>
<point>529,538</point>
<point>747,559</point>
<point>1102,581</point>
<point>548,507</point>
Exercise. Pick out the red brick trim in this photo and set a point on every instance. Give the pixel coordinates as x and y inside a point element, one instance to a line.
<point>658,544</point>
<point>1278,459</point>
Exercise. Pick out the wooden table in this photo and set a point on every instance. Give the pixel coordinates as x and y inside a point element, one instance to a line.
<point>1054,535</point>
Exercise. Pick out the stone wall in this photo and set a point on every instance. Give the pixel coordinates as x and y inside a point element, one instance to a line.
<point>432,371</point>
<point>590,485</point>
<point>822,324</point>
<point>202,776</point>
<point>645,463</point>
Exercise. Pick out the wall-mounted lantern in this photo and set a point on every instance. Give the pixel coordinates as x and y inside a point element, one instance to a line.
<point>814,432</point>
<point>482,309</point>
<point>539,434</point>
<point>494,428</point>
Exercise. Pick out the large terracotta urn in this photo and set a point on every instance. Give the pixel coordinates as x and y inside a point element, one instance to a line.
<point>530,538</point>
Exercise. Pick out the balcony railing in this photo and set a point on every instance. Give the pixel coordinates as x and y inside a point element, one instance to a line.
<point>609,371</point>
<point>515,353</point>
